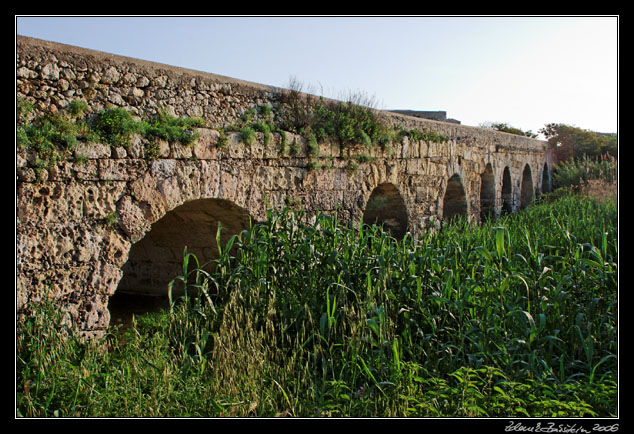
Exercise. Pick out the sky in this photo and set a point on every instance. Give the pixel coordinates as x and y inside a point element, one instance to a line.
<point>525,71</point>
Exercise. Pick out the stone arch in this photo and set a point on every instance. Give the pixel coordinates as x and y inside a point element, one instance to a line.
<point>386,207</point>
<point>157,258</point>
<point>507,191</point>
<point>546,183</point>
<point>526,189</point>
<point>487,194</point>
<point>454,200</point>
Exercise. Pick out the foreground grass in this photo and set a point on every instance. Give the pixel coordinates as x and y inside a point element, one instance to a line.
<point>509,319</point>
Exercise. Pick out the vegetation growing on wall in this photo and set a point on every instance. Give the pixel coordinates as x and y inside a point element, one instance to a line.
<point>349,123</point>
<point>506,128</point>
<point>353,123</point>
<point>56,135</point>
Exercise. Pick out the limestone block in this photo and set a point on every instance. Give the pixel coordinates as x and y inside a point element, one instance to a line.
<point>161,169</point>
<point>414,166</point>
<point>99,201</point>
<point>121,169</point>
<point>132,219</point>
<point>273,150</point>
<point>50,203</point>
<point>145,191</point>
<point>50,71</point>
<point>92,150</point>
<point>209,178</point>
<point>136,148</point>
<point>235,146</point>
<point>257,148</point>
<point>327,149</point>
<point>180,151</point>
<point>111,75</point>
<point>87,171</point>
<point>205,147</point>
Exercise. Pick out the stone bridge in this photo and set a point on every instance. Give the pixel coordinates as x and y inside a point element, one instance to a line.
<point>117,221</point>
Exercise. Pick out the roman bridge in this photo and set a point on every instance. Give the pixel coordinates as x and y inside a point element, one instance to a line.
<point>114,219</point>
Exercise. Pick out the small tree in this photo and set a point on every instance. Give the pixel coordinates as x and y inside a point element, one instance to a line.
<point>572,142</point>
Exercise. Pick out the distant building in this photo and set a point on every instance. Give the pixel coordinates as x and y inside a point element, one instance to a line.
<point>433,115</point>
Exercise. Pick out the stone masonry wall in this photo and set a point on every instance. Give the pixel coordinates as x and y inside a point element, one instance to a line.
<point>78,224</point>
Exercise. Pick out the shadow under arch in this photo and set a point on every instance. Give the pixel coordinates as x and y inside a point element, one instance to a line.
<point>546,183</point>
<point>507,192</point>
<point>157,258</point>
<point>526,190</point>
<point>386,208</point>
<point>487,194</point>
<point>455,199</point>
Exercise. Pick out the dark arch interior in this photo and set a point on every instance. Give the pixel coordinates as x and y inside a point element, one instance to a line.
<point>387,208</point>
<point>487,194</point>
<point>455,201</point>
<point>157,258</point>
<point>546,185</point>
<point>526,192</point>
<point>507,192</point>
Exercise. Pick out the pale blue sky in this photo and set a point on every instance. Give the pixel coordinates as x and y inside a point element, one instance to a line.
<point>525,71</point>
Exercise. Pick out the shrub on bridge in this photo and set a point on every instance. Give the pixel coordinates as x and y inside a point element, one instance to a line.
<point>53,136</point>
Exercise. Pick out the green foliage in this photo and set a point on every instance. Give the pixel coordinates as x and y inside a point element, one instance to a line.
<point>511,319</point>
<point>580,142</point>
<point>247,135</point>
<point>428,136</point>
<point>115,126</point>
<point>222,140</point>
<point>171,128</point>
<point>77,108</point>
<point>506,128</point>
<point>574,173</point>
<point>313,146</point>
<point>53,136</point>
<point>111,219</point>
<point>265,128</point>
<point>349,123</point>
<point>24,108</point>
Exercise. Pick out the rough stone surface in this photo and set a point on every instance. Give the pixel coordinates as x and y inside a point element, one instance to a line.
<point>117,218</point>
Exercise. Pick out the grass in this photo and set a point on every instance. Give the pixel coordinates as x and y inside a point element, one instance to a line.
<point>351,123</point>
<point>574,173</point>
<point>54,136</point>
<point>514,318</point>
<point>594,177</point>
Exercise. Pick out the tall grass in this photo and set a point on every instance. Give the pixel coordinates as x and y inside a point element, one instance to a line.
<point>573,173</point>
<point>512,318</point>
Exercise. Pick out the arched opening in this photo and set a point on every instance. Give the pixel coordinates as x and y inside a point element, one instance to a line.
<point>386,208</point>
<point>455,200</point>
<point>487,194</point>
<point>157,258</point>
<point>507,192</point>
<point>546,185</point>
<point>526,191</point>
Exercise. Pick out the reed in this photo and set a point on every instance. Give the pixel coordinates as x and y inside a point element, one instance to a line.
<point>516,317</point>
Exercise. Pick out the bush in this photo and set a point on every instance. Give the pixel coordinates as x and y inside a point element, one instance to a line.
<point>115,126</point>
<point>171,128</point>
<point>574,173</point>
